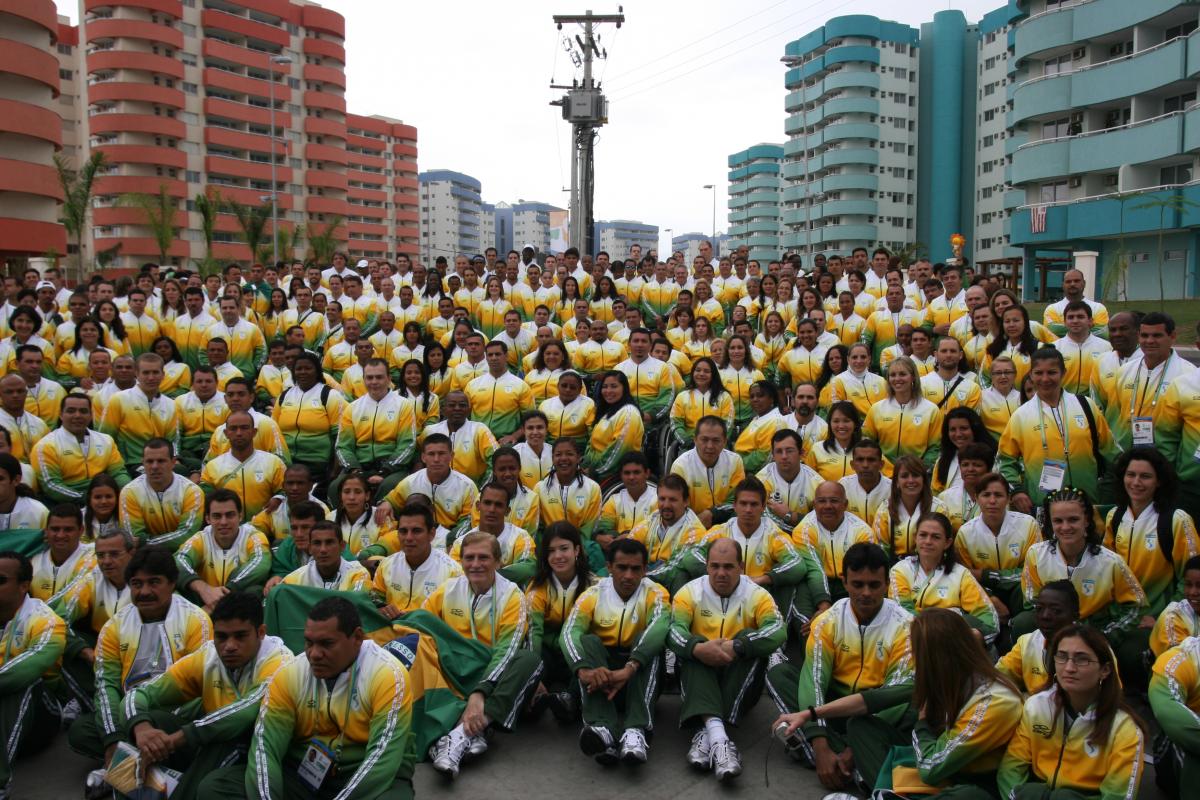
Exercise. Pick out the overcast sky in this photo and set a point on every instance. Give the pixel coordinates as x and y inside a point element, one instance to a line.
<point>688,83</point>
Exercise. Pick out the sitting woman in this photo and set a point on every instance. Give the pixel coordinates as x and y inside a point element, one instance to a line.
<point>933,578</point>
<point>905,423</point>
<point>960,427</point>
<point>699,343</point>
<point>830,457</point>
<point>1077,739</point>
<point>570,414</point>
<point>773,342</point>
<point>738,373</point>
<point>177,376</point>
<point>833,364</point>
<point>73,365</point>
<point>618,428</point>
<point>365,538</point>
<point>562,575</point>
<point>100,513</point>
<point>910,500</point>
<point>705,396</point>
<point>754,442</point>
<point>522,502</point>
<point>962,499</point>
<point>414,384</point>
<point>858,384</point>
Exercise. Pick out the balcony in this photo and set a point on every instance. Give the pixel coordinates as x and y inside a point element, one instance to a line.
<point>144,154</point>
<point>32,121</point>
<point>243,112</point>
<point>133,29</point>
<point>242,26</point>
<point>314,99</point>
<point>146,184</point>
<point>25,178</point>
<point>242,84</point>
<point>841,233</point>
<point>1106,217</point>
<point>17,58</point>
<point>1095,151</point>
<point>238,140</point>
<point>239,168</point>
<point>139,92</point>
<point>323,48</point>
<point>1090,20</point>
<point>128,59</point>
<point>320,74</point>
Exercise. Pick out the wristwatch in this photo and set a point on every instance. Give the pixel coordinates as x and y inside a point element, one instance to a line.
<point>739,647</point>
<point>635,666</point>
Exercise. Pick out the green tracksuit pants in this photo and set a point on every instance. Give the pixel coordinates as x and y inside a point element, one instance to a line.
<point>230,782</point>
<point>633,706</point>
<point>511,693</point>
<point>29,719</point>
<point>726,692</point>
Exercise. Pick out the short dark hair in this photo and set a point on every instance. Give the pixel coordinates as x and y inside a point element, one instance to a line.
<point>1068,590</point>
<point>753,485</point>
<point>712,419</point>
<point>415,510</point>
<point>338,608</point>
<point>158,442</point>
<point>69,511</point>
<point>24,565</point>
<point>977,451</point>
<point>305,509</point>
<point>636,457</point>
<point>630,547</point>
<point>153,560</point>
<point>436,438</point>
<point>222,496</point>
<point>1159,318</point>
<point>675,483</point>
<point>238,605</point>
<point>1077,305</point>
<point>328,525</point>
<point>864,556</point>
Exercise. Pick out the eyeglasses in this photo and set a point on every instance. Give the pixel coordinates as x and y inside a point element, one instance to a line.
<point>1078,659</point>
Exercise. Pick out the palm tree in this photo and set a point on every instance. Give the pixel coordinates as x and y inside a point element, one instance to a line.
<point>106,256</point>
<point>1177,204</point>
<point>159,210</point>
<point>77,197</point>
<point>253,222</point>
<point>288,240</point>
<point>323,245</point>
<point>208,204</point>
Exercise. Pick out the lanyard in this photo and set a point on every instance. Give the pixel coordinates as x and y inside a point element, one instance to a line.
<point>1058,414</point>
<point>492,614</point>
<point>1140,397</point>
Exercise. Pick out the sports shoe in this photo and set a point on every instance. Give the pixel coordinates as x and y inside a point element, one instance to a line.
<point>669,662</point>
<point>477,745</point>
<point>634,749</point>
<point>450,750</point>
<point>70,712</point>
<point>726,762</point>
<point>698,754</point>
<point>96,787</point>
<point>840,796</point>
<point>776,658</point>
<point>598,742</point>
<point>564,706</point>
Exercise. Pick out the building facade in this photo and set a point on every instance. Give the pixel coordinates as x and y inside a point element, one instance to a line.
<point>619,235</point>
<point>755,200</point>
<point>451,215</point>
<point>689,245</point>
<point>30,130</point>
<point>531,225</point>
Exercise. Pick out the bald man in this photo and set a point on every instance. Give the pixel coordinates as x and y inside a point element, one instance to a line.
<point>1073,289</point>
<point>828,531</point>
<point>24,428</point>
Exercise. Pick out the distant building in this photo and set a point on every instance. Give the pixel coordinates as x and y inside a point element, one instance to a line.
<point>531,225</point>
<point>619,235</point>
<point>756,200</point>
<point>451,211</point>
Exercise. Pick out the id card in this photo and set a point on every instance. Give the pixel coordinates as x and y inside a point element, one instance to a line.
<point>1053,473</point>
<point>316,764</point>
<point>1143,431</point>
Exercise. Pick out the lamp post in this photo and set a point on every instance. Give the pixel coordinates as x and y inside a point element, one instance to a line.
<point>792,62</point>
<point>713,186</point>
<point>670,242</point>
<point>282,61</point>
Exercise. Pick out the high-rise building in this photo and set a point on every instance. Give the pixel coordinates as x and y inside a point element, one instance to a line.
<point>755,200</point>
<point>504,240</point>
<point>381,187</point>
<point>531,225</point>
<point>30,130</point>
<point>689,245</point>
<point>619,235</point>
<point>451,210</point>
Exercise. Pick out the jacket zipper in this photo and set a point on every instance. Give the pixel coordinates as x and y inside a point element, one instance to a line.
<point>1067,723</point>
<point>862,657</point>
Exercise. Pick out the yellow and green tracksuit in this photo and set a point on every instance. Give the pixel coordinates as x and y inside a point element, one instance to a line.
<point>897,536</point>
<point>577,502</point>
<point>25,431</point>
<point>753,444</point>
<point>738,382</point>
<point>1038,433</point>
<point>351,576</point>
<point>1177,429</point>
<point>571,421</point>
<point>1139,391</point>
<point>973,745</point>
<point>337,359</point>
<point>1081,360</point>
<point>767,550</point>
<point>73,365</point>
<point>668,545</point>
<point>1026,663</point>
<point>365,309</point>
<point>653,384</point>
<point>245,563</point>
<point>167,518</point>
<point>848,331</point>
<point>51,581</point>
<point>658,299</point>
<point>996,410</point>
<point>198,420</point>
<point>228,705</point>
<point>620,513</point>
<point>452,499</point>
<point>185,630</point>
<point>498,403</point>
<point>543,383</point>
<point>709,487</point>
<point>1052,317</point>
<point>65,465</point>
<point>550,605</point>
<point>1175,697</point>
<point>881,327</point>
<point>913,429</point>
<point>1108,590</point>
<point>863,390</point>
<point>140,331</point>
<point>801,365</point>
<point>309,422</point>
<point>93,598</point>
<point>1136,541</point>
<point>1177,622</point>
<point>831,462</point>
<point>916,590</point>
<point>464,372</point>
<point>1104,386</point>
<point>255,480</point>
<point>975,348</point>
<point>637,626</point>
<point>611,438</point>
<point>316,327</point>
<point>490,316</point>
<point>191,337</point>
<point>133,419</point>
<point>1047,749</point>
<point>828,548</point>
<point>964,394</point>
<point>177,379</point>
<point>518,553</point>
<point>247,347</point>
<point>397,583</point>
<point>593,358</point>
<point>364,537</point>
<point>534,466</point>
<point>26,511</point>
<point>797,494</point>
<point>471,447</point>
<point>772,349</point>
<point>1001,556</point>
<point>377,434</point>
<point>33,644</point>
<point>267,438</point>
<point>366,718</point>
<point>866,504</point>
<point>945,311</point>
<point>712,311</point>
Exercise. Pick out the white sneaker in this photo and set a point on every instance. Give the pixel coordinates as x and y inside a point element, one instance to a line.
<point>450,751</point>
<point>70,712</point>
<point>634,749</point>
<point>669,661</point>
<point>776,658</point>
<point>477,745</point>
<point>840,796</point>
<point>698,754</point>
<point>726,762</point>
<point>95,786</point>
<point>598,742</point>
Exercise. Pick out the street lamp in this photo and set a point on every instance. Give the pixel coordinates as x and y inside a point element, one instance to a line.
<point>282,61</point>
<point>793,62</point>
<point>670,241</point>
<point>713,186</point>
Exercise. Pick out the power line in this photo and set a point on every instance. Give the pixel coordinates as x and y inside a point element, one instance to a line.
<point>717,60</point>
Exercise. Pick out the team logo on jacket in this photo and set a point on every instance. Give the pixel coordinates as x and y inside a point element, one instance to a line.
<point>1089,586</point>
<point>916,419</point>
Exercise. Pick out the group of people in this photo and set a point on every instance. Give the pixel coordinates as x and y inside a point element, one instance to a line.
<point>946,538</point>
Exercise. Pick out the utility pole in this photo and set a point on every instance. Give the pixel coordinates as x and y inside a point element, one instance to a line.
<point>585,107</point>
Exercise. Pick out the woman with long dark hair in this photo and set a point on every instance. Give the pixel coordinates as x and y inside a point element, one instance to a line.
<point>1015,340</point>
<point>618,428</point>
<point>414,381</point>
<point>564,307</point>
<point>738,373</point>
<point>830,457</point>
<point>705,395</point>
<point>960,427</point>
<point>753,443</point>
<point>355,516</point>
<point>603,296</point>
<point>910,499</point>
<point>115,337</point>
<point>73,364</point>
<point>177,376</point>
<point>436,369</point>
<point>100,511</point>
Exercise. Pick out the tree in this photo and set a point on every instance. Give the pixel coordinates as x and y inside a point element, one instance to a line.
<point>288,239</point>
<point>1164,203</point>
<point>77,198</point>
<point>208,204</point>
<point>253,223</point>
<point>1115,284</point>
<point>323,245</point>
<point>910,253</point>
<point>106,256</point>
<point>159,210</point>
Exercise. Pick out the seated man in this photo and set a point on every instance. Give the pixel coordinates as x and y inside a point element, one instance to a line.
<point>228,676</point>
<point>630,505</point>
<point>137,644</point>
<point>135,416</point>
<point>201,412</point>
<point>24,428</point>
<point>160,507</point>
<point>668,533</point>
<point>518,553</point>
<point>273,520</point>
<point>34,641</point>
<point>336,721</point>
<point>65,557</point>
<point>828,531</point>
<point>710,470</point>
<point>326,567</point>
<point>292,553</point>
<point>451,493</point>
<point>253,475</point>
<point>791,485</point>
<point>1056,607</point>
<point>378,432</point>
<point>613,642</point>
<point>860,644</point>
<point>226,556</point>
<point>87,604</point>
<point>403,580</point>
<point>66,459</point>
<point>471,442</point>
<point>487,607</point>
<point>1175,697</point>
<point>240,397</point>
<point>724,627</point>
<point>498,398</point>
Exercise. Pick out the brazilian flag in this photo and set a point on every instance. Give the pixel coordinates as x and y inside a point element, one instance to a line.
<point>26,541</point>
<point>443,667</point>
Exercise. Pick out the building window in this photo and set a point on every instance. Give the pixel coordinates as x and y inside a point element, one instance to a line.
<point>1054,66</point>
<point>193,176</point>
<point>1054,192</point>
<point>190,88</point>
<point>65,49</point>
<point>65,74</point>
<point>188,29</point>
<point>1179,102</point>
<point>1176,173</point>
<point>1056,128</point>
<point>1174,255</point>
<point>1176,31</point>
